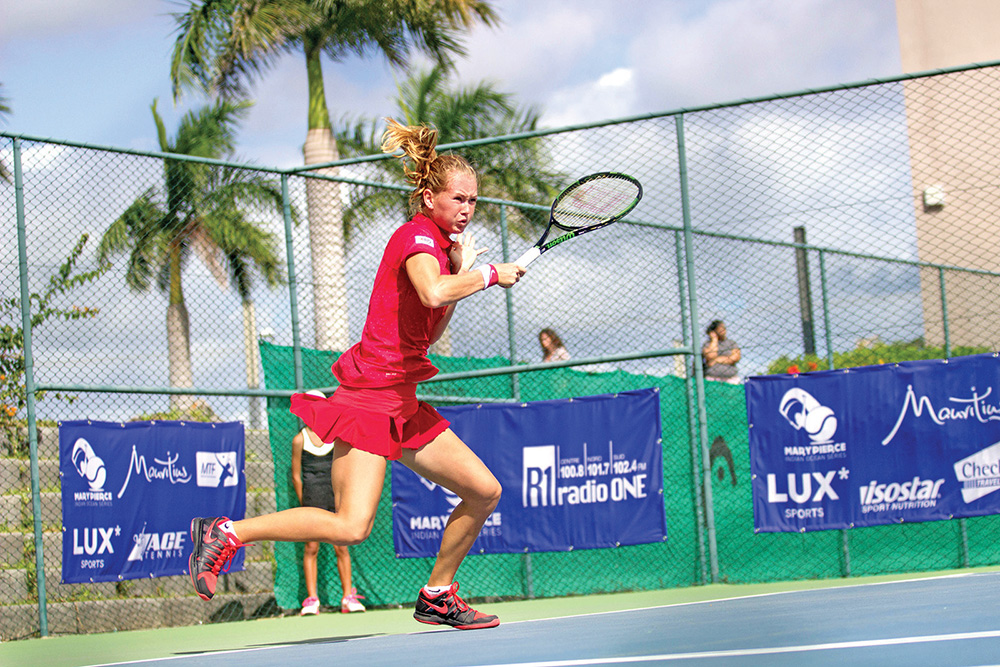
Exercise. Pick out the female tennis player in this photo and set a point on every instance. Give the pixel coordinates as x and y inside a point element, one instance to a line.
<point>374,415</point>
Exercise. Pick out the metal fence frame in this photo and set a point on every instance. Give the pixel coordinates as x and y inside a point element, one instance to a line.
<point>684,237</point>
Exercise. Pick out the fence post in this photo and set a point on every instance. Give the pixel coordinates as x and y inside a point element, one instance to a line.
<point>515,380</point>
<point>944,313</point>
<point>29,390</point>
<point>805,291</point>
<point>515,387</point>
<point>963,527</point>
<point>699,380</point>
<point>845,544</point>
<point>699,510</point>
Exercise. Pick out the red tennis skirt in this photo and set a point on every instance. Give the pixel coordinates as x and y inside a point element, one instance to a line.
<point>382,421</point>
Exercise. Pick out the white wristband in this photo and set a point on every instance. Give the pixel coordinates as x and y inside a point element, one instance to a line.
<point>485,270</point>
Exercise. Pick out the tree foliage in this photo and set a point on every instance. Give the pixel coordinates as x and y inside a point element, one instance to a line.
<point>222,46</point>
<point>203,209</point>
<point>43,306</point>
<point>518,171</point>
<point>4,112</point>
<point>869,355</point>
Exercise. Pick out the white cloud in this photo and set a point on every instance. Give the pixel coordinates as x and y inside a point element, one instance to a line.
<point>740,48</point>
<point>570,59</point>
<point>34,156</point>
<point>612,95</point>
<point>538,46</point>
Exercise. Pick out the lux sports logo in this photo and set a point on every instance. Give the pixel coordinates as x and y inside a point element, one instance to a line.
<point>540,474</point>
<point>798,488</point>
<point>94,541</point>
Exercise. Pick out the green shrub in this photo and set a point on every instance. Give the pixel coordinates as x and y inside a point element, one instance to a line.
<point>869,355</point>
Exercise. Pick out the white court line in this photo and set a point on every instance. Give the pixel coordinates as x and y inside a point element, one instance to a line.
<point>738,653</point>
<point>752,596</point>
<point>611,661</point>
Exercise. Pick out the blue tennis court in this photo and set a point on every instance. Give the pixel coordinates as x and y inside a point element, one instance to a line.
<point>950,620</point>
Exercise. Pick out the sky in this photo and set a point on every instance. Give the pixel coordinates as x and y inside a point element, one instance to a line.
<point>88,70</point>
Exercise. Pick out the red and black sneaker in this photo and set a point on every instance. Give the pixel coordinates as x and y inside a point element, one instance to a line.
<point>214,545</point>
<point>449,609</point>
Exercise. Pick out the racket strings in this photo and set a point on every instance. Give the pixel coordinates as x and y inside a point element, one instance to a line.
<point>594,202</point>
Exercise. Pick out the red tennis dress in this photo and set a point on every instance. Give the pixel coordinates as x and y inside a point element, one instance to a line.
<point>375,408</point>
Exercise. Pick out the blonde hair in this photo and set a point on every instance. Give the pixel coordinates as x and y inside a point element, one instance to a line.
<point>423,167</point>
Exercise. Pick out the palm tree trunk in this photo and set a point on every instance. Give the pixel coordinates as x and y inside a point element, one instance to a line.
<point>326,219</point>
<point>178,338</point>
<point>252,358</point>
<point>326,245</point>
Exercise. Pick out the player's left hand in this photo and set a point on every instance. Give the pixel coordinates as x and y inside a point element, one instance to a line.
<point>463,252</point>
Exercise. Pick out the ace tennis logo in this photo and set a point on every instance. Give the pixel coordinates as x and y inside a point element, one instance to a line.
<point>146,546</point>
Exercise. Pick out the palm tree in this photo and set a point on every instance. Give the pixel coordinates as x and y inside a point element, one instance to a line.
<point>4,111</point>
<point>222,45</point>
<point>201,208</point>
<point>514,171</point>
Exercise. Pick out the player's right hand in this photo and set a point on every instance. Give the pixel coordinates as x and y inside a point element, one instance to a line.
<point>508,274</point>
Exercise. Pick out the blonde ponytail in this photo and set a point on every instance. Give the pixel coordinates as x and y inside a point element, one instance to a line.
<point>423,167</point>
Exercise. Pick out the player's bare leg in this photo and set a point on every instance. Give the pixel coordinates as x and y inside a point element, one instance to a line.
<point>358,487</point>
<point>447,461</point>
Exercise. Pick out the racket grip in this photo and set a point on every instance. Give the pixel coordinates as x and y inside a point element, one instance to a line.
<point>528,257</point>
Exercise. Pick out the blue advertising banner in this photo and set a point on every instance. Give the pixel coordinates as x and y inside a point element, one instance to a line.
<point>913,441</point>
<point>130,490</point>
<point>580,473</point>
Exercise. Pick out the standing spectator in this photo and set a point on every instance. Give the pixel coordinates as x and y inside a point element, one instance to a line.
<point>552,346</point>
<point>720,355</point>
<point>312,466</point>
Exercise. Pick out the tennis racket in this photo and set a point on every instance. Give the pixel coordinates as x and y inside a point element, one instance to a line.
<point>592,202</point>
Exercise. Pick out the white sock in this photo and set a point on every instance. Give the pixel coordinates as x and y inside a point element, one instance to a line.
<point>229,529</point>
<point>434,591</point>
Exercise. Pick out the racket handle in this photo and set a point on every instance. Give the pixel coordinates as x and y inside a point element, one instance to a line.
<point>528,257</point>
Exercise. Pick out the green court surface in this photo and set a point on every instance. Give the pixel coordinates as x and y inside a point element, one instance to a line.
<point>115,647</point>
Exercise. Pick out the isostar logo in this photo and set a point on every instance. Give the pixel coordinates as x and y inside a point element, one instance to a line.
<point>217,469</point>
<point>915,493</point>
<point>91,468</point>
<point>548,480</point>
<point>979,474</point>
<point>157,545</point>
<point>804,413</point>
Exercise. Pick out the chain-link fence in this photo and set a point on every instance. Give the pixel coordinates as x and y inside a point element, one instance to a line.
<point>847,226</point>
